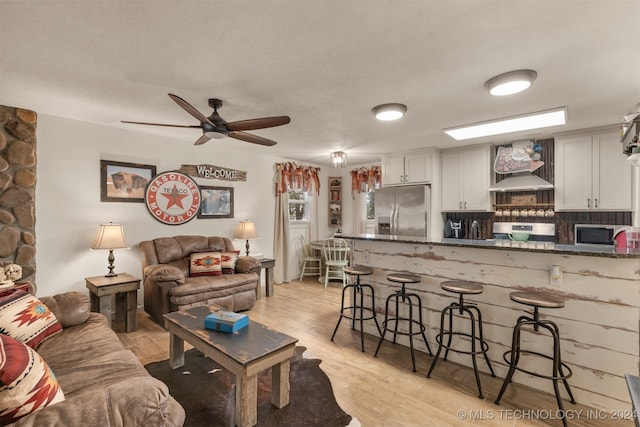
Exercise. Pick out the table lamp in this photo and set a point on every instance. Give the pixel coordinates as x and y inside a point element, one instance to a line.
<point>245,230</point>
<point>110,236</point>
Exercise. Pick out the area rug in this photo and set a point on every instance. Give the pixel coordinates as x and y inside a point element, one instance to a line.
<point>207,393</point>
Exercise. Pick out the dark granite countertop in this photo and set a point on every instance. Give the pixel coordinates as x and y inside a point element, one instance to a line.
<point>508,245</point>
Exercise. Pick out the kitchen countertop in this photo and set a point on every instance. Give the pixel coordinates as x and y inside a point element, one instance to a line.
<point>506,245</point>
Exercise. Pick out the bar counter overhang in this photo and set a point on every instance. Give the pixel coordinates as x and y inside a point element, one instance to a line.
<point>599,325</point>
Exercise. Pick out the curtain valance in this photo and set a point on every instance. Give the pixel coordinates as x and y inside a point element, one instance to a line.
<point>290,176</point>
<point>365,179</point>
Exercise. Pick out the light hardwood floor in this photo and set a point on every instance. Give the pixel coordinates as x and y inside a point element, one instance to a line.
<point>383,391</point>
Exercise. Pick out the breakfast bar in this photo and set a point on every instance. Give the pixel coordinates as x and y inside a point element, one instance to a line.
<point>599,324</point>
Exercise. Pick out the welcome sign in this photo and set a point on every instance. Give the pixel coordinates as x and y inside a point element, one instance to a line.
<point>214,172</point>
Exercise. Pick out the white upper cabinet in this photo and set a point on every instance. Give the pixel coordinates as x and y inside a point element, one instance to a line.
<point>407,168</point>
<point>466,176</point>
<point>591,173</point>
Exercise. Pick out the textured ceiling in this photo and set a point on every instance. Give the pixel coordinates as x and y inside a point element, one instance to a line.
<point>323,63</point>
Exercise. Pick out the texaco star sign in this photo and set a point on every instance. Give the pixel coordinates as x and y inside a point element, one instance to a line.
<point>172,198</point>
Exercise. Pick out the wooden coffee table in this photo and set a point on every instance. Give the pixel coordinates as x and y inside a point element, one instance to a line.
<point>244,353</point>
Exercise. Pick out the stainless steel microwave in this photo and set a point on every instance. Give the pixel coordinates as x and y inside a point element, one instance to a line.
<point>595,234</point>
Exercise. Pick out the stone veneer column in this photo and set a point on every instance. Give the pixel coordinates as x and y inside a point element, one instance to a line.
<point>17,189</point>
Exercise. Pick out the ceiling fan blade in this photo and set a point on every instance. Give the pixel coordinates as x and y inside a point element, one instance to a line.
<point>201,140</point>
<point>161,124</point>
<point>255,139</point>
<point>251,124</point>
<point>190,109</point>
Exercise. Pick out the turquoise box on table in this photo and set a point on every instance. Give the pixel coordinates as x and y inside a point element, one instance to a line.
<point>226,321</point>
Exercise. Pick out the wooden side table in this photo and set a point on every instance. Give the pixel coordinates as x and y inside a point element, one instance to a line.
<point>267,266</point>
<point>125,289</point>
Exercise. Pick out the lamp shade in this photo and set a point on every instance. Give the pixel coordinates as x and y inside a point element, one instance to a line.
<point>110,236</point>
<point>245,230</point>
<point>339,159</point>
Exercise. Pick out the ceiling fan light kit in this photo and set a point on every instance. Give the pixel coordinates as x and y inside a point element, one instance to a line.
<point>339,159</point>
<point>215,127</point>
<point>510,82</point>
<point>388,112</point>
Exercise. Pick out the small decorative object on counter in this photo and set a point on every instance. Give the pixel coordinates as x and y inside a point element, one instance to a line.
<point>226,321</point>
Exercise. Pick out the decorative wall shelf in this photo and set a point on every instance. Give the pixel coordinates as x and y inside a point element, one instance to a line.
<point>335,201</point>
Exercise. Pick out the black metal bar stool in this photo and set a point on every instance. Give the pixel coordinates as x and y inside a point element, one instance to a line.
<point>478,344</point>
<point>560,371</point>
<point>356,311</point>
<point>410,299</point>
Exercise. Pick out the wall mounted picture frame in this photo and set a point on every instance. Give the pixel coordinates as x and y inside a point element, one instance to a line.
<point>124,182</point>
<point>215,202</point>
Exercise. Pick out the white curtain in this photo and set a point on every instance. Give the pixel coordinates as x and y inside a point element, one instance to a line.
<point>281,238</point>
<point>291,176</point>
<point>314,227</point>
<point>363,180</point>
<point>359,212</point>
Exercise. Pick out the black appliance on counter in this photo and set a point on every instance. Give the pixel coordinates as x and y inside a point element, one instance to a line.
<point>454,229</point>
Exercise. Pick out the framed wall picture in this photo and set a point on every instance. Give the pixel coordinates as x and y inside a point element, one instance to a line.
<point>124,182</point>
<point>216,202</point>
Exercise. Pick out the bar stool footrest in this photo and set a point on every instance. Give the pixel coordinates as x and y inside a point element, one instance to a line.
<point>395,320</point>
<point>484,346</point>
<point>537,374</point>
<point>356,316</point>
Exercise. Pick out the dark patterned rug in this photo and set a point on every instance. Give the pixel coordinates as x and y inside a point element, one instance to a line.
<point>207,393</point>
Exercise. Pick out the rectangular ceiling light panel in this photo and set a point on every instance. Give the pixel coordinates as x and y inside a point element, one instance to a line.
<point>538,120</point>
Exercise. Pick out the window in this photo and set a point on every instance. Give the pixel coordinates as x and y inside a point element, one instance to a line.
<point>297,206</point>
<point>371,205</point>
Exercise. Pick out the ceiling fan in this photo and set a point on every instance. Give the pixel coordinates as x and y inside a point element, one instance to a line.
<point>216,127</point>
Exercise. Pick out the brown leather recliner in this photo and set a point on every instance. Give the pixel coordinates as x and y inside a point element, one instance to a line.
<point>168,287</point>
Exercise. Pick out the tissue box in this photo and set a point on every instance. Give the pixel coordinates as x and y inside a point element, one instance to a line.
<point>226,321</point>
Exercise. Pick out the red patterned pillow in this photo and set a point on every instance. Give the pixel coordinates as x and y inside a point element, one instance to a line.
<point>229,260</point>
<point>28,384</point>
<point>25,318</point>
<point>205,264</point>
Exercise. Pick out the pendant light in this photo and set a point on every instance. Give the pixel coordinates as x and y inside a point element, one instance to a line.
<point>339,159</point>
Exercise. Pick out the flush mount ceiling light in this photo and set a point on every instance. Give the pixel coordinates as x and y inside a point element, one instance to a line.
<point>555,117</point>
<point>339,159</point>
<point>388,112</point>
<point>510,82</point>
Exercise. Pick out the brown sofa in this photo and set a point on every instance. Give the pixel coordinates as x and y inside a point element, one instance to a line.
<point>168,287</point>
<point>103,383</point>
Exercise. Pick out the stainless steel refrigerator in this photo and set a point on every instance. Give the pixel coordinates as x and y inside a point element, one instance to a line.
<point>403,211</point>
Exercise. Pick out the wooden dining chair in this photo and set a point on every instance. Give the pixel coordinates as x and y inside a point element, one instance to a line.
<point>336,258</point>
<point>311,264</point>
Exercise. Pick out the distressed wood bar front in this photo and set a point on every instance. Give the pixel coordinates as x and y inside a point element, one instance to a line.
<point>599,325</point>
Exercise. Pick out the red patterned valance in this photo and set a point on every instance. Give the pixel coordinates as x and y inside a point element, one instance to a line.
<point>366,179</point>
<point>290,176</point>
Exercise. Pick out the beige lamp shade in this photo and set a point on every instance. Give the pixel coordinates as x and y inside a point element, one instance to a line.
<point>110,236</point>
<point>245,230</point>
